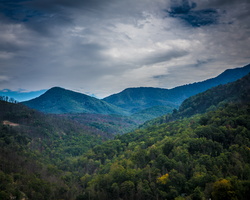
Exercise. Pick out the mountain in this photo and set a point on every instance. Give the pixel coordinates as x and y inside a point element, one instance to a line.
<point>58,100</point>
<point>136,99</point>
<point>57,156</point>
<point>204,156</point>
<point>234,92</point>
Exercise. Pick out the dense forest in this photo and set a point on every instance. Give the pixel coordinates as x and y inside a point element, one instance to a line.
<point>202,153</point>
<point>202,157</point>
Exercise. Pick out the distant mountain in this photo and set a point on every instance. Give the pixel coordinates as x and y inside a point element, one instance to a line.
<point>136,99</point>
<point>237,92</point>
<point>58,101</point>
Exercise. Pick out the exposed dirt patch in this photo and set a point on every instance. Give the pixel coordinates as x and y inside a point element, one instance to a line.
<point>6,122</point>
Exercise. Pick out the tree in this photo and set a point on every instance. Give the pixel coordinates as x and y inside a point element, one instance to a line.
<point>223,190</point>
<point>163,179</point>
<point>128,189</point>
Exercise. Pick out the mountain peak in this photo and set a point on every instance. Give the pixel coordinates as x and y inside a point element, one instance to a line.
<point>56,88</point>
<point>59,100</point>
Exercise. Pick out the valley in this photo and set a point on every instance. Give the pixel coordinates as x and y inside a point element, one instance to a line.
<point>189,142</point>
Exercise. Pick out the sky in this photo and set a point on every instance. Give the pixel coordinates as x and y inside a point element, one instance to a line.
<point>100,47</point>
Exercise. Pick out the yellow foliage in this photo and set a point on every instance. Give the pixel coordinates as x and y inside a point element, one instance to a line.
<point>163,179</point>
<point>222,189</point>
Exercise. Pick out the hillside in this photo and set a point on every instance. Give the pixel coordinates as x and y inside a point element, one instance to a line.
<point>34,124</point>
<point>184,159</point>
<point>151,113</point>
<point>212,99</point>
<point>136,99</point>
<point>32,147</point>
<point>231,92</point>
<point>205,156</point>
<point>109,125</point>
<point>58,101</point>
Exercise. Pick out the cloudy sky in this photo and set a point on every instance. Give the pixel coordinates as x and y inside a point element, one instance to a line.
<point>101,47</point>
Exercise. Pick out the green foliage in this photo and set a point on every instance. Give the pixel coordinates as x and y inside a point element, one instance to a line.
<point>37,151</point>
<point>108,125</point>
<point>186,160</point>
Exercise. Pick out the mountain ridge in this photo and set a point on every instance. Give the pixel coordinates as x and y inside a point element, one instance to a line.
<point>131,100</point>
<point>145,97</point>
<point>58,100</point>
<point>209,100</point>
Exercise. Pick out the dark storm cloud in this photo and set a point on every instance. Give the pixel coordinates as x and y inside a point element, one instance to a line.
<point>234,9</point>
<point>18,11</point>
<point>42,16</point>
<point>104,46</point>
<point>32,17</point>
<point>24,10</point>
<point>185,10</point>
<point>222,3</point>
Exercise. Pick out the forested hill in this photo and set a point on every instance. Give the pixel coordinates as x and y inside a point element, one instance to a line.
<point>32,146</point>
<point>206,156</point>
<point>34,124</point>
<point>136,99</point>
<point>58,100</point>
<point>232,92</point>
<point>237,91</point>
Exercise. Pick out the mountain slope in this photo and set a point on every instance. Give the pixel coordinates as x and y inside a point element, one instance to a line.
<point>151,113</point>
<point>203,157</point>
<point>234,92</point>
<point>33,146</point>
<point>58,100</point>
<point>231,92</point>
<point>136,99</point>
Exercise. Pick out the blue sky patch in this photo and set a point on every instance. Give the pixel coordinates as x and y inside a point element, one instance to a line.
<point>21,95</point>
